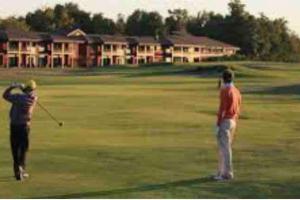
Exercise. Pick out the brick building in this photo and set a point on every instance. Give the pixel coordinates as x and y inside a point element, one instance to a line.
<point>76,48</point>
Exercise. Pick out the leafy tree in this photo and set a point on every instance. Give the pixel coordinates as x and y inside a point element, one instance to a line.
<point>80,18</point>
<point>102,25</point>
<point>177,20</point>
<point>121,24</point>
<point>62,18</point>
<point>41,20</point>
<point>207,24</point>
<point>144,23</point>
<point>14,22</point>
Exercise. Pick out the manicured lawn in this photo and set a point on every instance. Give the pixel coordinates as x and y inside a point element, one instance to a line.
<point>149,133</point>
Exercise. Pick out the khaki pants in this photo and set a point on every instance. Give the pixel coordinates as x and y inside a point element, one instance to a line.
<point>225,138</point>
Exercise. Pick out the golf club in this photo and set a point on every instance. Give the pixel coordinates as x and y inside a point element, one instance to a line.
<point>51,116</point>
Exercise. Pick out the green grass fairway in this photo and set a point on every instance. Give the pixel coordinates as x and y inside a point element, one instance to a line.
<point>149,133</point>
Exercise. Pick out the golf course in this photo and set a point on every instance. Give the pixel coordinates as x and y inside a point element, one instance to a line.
<point>149,132</point>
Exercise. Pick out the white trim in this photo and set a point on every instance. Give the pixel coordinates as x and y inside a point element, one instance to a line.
<point>76,32</point>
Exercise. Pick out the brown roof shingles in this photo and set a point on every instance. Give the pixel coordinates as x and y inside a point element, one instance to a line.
<point>187,39</point>
<point>142,40</point>
<point>15,34</point>
<point>113,39</point>
<point>63,38</point>
<point>169,40</point>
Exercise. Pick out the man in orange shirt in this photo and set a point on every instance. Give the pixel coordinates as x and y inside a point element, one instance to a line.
<point>229,110</point>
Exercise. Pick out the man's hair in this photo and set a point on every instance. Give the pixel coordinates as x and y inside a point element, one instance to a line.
<point>27,90</point>
<point>228,76</point>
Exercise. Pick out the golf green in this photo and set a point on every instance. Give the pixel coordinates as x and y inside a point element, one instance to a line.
<point>148,132</point>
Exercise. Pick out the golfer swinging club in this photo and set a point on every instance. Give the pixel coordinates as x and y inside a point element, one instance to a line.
<point>20,117</point>
<point>229,110</point>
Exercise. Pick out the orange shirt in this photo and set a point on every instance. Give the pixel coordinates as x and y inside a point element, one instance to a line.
<point>230,103</point>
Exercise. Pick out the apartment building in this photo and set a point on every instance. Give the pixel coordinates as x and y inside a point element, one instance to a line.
<point>185,48</point>
<point>100,50</point>
<point>144,50</point>
<point>76,48</point>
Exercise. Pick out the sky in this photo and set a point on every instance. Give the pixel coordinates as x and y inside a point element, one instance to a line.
<point>289,9</point>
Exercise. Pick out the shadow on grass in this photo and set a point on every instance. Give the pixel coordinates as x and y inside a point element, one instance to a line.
<point>144,188</point>
<point>208,71</point>
<point>293,89</point>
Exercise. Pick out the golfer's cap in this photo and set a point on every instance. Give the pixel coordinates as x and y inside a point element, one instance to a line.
<point>31,84</point>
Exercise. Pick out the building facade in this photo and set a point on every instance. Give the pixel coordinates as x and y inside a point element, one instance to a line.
<point>76,48</point>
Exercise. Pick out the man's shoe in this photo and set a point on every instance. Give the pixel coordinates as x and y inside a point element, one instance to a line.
<point>18,175</point>
<point>218,178</point>
<point>23,173</point>
<point>214,176</point>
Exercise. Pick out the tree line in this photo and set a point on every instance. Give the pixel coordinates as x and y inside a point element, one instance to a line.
<point>259,37</point>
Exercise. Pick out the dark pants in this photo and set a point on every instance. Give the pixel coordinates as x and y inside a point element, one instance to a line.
<point>19,140</point>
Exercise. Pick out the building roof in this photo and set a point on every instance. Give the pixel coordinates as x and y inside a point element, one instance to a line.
<point>134,40</point>
<point>15,34</point>
<point>93,38</point>
<point>113,39</point>
<point>179,38</point>
<point>19,35</point>
<point>63,38</point>
<point>187,39</point>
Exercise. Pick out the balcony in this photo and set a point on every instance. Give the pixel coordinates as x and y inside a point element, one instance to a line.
<point>57,50</point>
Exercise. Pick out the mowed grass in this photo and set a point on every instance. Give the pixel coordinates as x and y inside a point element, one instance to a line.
<point>149,133</point>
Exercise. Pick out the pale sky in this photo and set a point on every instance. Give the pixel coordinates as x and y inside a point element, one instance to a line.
<point>289,9</point>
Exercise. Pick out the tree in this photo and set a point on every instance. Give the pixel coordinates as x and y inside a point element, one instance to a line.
<point>102,25</point>
<point>80,18</point>
<point>177,20</point>
<point>62,18</point>
<point>14,22</point>
<point>207,24</point>
<point>240,28</point>
<point>41,20</point>
<point>144,23</point>
<point>120,24</point>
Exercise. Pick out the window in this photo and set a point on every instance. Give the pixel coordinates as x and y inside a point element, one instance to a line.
<point>13,61</point>
<point>13,45</point>
<point>185,49</point>
<point>67,47</point>
<point>107,47</point>
<point>196,60</point>
<point>24,46</point>
<point>141,48</point>
<point>141,61</point>
<point>57,46</point>
<point>115,47</point>
<point>148,48</point>
<point>197,49</point>
<point>177,59</point>
<point>177,49</point>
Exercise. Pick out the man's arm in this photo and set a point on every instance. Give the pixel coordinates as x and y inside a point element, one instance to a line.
<point>240,103</point>
<point>222,107</point>
<point>8,96</point>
